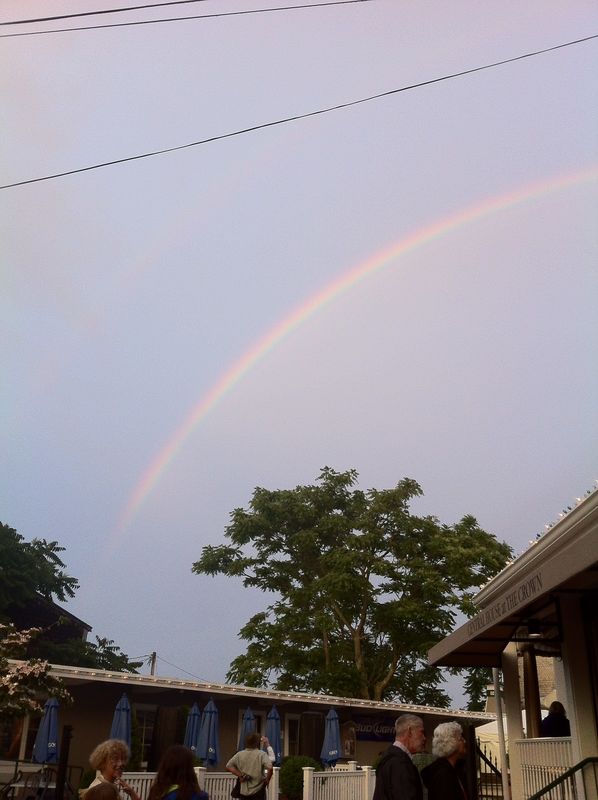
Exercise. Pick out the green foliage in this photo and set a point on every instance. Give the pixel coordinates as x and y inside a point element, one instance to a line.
<point>26,685</point>
<point>28,569</point>
<point>291,775</point>
<point>32,575</point>
<point>103,654</point>
<point>362,588</point>
<point>475,685</point>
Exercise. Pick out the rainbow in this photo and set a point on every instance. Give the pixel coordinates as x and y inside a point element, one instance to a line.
<point>302,313</point>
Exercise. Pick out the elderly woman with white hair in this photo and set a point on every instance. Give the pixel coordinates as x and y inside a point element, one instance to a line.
<point>109,759</point>
<point>441,777</point>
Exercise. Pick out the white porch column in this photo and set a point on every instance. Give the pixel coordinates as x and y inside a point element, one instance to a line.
<point>512,704</point>
<point>574,650</point>
<point>24,736</point>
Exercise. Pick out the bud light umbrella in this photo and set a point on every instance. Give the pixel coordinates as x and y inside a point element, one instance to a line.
<point>207,741</point>
<point>331,748</point>
<point>273,734</point>
<point>247,726</point>
<point>192,728</point>
<point>121,721</point>
<point>45,748</point>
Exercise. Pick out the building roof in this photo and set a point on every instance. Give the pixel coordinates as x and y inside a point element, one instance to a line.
<point>521,602</point>
<point>79,675</point>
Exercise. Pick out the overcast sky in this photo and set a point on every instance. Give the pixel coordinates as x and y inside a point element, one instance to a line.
<point>407,286</point>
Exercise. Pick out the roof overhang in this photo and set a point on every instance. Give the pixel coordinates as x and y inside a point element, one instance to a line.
<point>133,683</point>
<point>521,603</point>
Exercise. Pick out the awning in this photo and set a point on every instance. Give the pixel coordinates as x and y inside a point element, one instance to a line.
<point>537,623</point>
<point>522,603</point>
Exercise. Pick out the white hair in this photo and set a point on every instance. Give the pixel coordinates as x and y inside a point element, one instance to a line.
<point>406,721</point>
<point>446,739</point>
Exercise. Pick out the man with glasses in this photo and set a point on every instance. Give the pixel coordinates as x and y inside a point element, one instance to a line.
<point>397,777</point>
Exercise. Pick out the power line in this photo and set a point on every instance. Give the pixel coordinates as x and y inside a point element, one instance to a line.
<point>299,116</point>
<point>180,19</point>
<point>191,674</point>
<point>97,13</point>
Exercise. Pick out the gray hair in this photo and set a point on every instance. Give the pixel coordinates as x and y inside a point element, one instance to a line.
<point>406,721</point>
<point>446,738</point>
<point>111,748</point>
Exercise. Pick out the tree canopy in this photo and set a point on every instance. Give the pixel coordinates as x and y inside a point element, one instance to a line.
<point>32,576</point>
<point>361,587</point>
<point>30,569</point>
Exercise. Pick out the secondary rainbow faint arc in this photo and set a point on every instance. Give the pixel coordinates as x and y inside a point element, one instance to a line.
<point>307,309</point>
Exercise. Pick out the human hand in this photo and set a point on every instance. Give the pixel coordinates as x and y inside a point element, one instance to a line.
<point>128,790</point>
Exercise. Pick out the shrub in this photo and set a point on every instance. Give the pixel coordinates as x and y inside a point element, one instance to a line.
<point>291,775</point>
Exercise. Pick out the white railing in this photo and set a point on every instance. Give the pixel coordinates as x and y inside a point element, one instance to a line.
<point>217,784</point>
<point>346,783</point>
<point>140,782</point>
<point>543,760</point>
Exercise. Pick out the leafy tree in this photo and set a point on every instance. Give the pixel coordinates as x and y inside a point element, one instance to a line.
<point>101,654</point>
<point>30,569</point>
<point>362,588</point>
<point>476,685</point>
<point>27,683</point>
<point>32,574</point>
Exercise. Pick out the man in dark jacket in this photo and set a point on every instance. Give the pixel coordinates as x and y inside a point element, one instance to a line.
<point>397,777</point>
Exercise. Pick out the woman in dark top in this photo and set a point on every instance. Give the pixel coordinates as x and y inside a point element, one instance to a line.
<point>441,778</point>
<point>176,778</point>
<point>556,723</point>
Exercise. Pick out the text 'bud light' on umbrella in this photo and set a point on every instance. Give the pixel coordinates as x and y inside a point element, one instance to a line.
<point>192,728</point>
<point>247,726</point>
<point>207,741</point>
<point>45,748</point>
<point>273,734</point>
<point>121,721</point>
<point>331,748</point>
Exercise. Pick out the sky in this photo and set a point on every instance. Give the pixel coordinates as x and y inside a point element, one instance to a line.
<point>406,286</point>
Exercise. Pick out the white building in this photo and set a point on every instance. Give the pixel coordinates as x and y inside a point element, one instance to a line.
<point>543,604</point>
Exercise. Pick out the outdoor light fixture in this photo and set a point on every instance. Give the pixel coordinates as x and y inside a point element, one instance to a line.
<point>533,629</point>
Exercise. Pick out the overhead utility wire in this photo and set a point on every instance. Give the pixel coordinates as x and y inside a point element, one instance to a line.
<point>204,680</point>
<point>299,116</point>
<point>181,19</point>
<point>102,11</point>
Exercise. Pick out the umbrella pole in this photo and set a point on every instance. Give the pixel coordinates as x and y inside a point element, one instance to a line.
<point>65,745</point>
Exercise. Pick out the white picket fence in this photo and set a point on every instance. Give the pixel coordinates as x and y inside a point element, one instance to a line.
<point>217,784</point>
<point>343,782</point>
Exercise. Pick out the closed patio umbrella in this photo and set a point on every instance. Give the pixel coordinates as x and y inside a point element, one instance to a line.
<point>273,734</point>
<point>121,721</point>
<point>207,741</point>
<point>331,748</point>
<point>247,726</point>
<point>45,748</point>
<point>192,727</point>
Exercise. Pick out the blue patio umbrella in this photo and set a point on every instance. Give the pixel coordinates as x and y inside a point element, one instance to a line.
<point>121,721</point>
<point>331,748</point>
<point>207,740</point>
<point>273,734</point>
<point>192,728</point>
<point>45,748</point>
<point>247,726</point>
